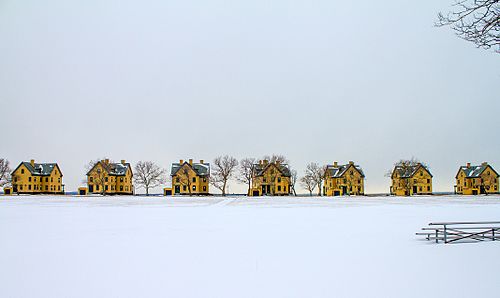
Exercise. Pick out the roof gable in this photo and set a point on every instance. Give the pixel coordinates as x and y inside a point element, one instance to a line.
<point>409,171</point>
<point>113,168</point>
<point>338,171</point>
<point>261,169</point>
<point>200,169</point>
<point>39,169</point>
<point>475,171</point>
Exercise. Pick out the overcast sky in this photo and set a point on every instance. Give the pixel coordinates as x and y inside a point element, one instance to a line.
<point>320,81</point>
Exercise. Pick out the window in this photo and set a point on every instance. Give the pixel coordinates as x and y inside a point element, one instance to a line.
<point>59,180</point>
<point>22,171</point>
<point>184,188</point>
<point>29,186</point>
<point>264,180</point>
<point>97,187</point>
<point>121,188</point>
<point>126,188</point>
<point>204,188</point>
<point>121,179</point>
<point>91,179</point>
<point>106,188</point>
<point>204,179</point>
<point>59,188</point>
<point>21,187</point>
<point>46,187</point>
<point>428,180</point>
<point>279,179</point>
<point>51,179</point>
<point>420,188</point>
<point>34,179</point>
<point>279,187</point>
<point>106,179</point>
<point>177,180</point>
<point>194,187</point>
<point>46,179</point>
<point>194,179</point>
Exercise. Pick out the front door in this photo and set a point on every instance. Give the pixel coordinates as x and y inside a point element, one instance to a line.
<point>415,189</point>
<point>177,189</point>
<point>91,188</point>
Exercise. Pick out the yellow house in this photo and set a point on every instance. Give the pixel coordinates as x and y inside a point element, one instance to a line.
<point>473,180</point>
<point>270,179</point>
<point>106,177</point>
<point>411,179</point>
<point>190,178</point>
<point>343,180</point>
<point>37,178</point>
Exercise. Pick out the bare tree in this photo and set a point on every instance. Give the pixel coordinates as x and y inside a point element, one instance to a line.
<point>477,21</point>
<point>5,172</point>
<point>98,176</point>
<point>184,178</point>
<point>223,169</point>
<point>404,167</point>
<point>276,158</point>
<point>317,173</point>
<point>149,175</point>
<point>308,183</point>
<point>246,171</point>
<point>293,181</point>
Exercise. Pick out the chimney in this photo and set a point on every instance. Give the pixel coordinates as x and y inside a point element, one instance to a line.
<point>201,160</point>
<point>32,162</point>
<point>484,164</point>
<point>190,161</point>
<point>181,161</point>
<point>468,165</point>
<point>123,161</point>
<point>106,161</point>
<point>351,162</point>
<point>335,163</point>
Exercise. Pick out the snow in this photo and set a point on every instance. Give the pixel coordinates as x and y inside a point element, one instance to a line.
<point>238,247</point>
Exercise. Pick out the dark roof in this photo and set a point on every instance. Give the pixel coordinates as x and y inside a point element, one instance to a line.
<point>113,168</point>
<point>260,168</point>
<point>201,169</point>
<point>409,170</point>
<point>475,171</point>
<point>39,169</point>
<point>339,170</point>
<point>118,169</point>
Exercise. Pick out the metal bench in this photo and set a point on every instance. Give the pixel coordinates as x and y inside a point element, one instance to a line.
<point>449,232</point>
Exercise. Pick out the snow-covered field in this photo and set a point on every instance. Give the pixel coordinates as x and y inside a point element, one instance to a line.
<point>239,247</point>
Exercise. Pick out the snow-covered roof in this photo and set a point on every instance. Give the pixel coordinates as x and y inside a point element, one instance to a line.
<point>201,169</point>
<point>407,171</point>
<point>118,169</point>
<point>337,171</point>
<point>39,169</point>
<point>260,168</point>
<point>475,171</point>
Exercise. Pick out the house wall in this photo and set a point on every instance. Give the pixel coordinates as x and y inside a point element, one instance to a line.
<point>422,180</point>
<point>199,185</point>
<point>352,182</point>
<point>24,182</point>
<point>487,182</point>
<point>279,185</point>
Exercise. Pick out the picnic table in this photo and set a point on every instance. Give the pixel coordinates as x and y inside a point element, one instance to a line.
<point>465,231</point>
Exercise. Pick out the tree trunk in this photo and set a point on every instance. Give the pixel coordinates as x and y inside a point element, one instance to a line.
<point>224,189</point>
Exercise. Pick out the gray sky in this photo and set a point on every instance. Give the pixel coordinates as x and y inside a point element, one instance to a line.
<point>315,80</point>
